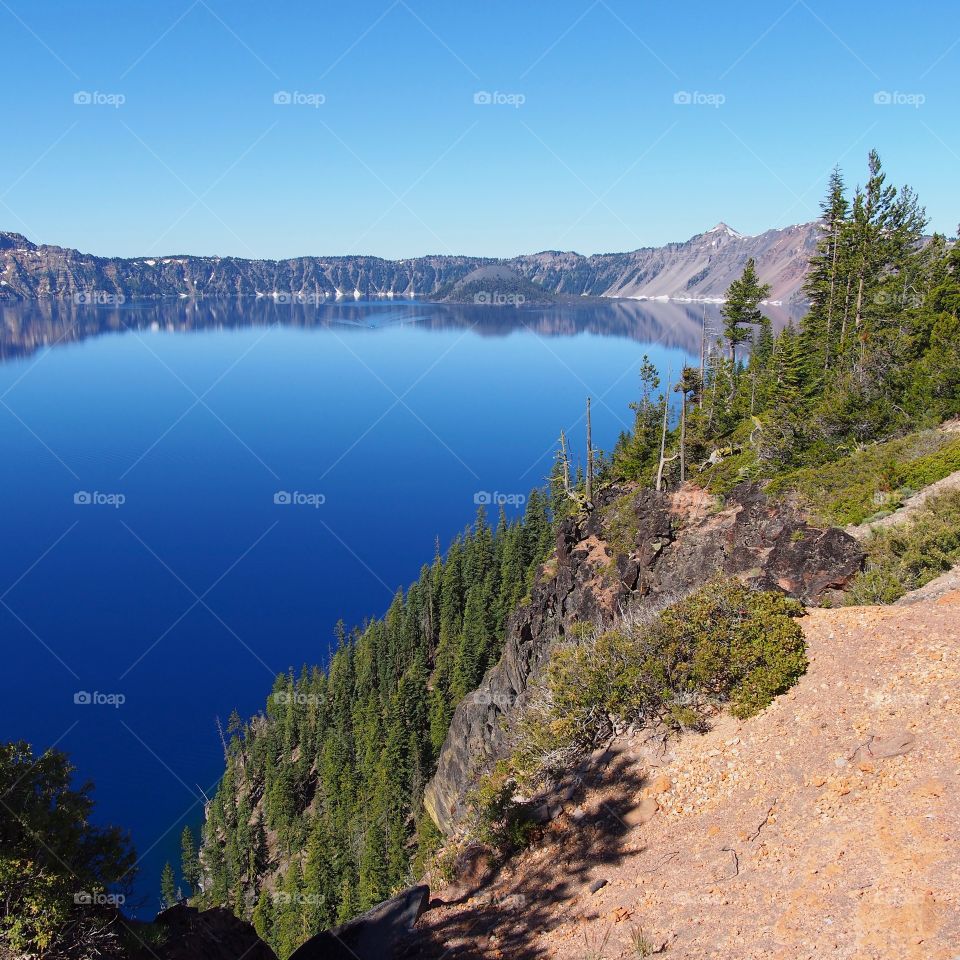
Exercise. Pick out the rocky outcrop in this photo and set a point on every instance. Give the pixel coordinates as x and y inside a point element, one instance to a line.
<point>635,552</point>
<point>375,935</point>
<point>825,826</point>
<point>214,934</point>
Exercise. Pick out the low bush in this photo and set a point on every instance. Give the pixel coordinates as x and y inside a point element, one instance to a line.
<point>724,645</point>
<point>904,557</point>
<point>878,477</point>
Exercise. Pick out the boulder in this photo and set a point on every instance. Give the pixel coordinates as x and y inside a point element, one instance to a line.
<point>206,935</point>
<point>375,935</point>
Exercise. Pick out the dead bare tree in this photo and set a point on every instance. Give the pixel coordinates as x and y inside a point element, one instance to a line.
<point>664,460</point>
<point>589,456</point>
<point>565,463</point>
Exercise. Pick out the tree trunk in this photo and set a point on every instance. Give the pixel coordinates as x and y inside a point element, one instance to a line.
<point>833,285</point>
<point>565,462</point>
<point>703,350</point>
<point>683,437</point>
<point>589,456</point>
<point>663,433</point>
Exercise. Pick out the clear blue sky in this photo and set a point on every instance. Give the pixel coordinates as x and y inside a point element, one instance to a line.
<point>399,160</point>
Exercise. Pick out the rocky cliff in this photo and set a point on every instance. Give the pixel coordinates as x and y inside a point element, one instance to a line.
<point>826,826</point>
<point>636,551</point>
<point>699,268</point>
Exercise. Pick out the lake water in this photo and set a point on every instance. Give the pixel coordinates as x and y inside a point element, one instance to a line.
<point>147,566</point>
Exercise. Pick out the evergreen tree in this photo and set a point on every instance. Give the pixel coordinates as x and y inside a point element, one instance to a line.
<point>741,308</point>
<point>189,860</point>
<point>168,886</point>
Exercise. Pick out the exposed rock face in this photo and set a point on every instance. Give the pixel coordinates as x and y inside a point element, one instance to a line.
<point>826,826</point>
<point>701,267</point>
<point>375,935</point>
<point>208,935</point>
<point>635,552</point>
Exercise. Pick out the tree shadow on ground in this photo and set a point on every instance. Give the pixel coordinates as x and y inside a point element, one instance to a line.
<point>545,886</point>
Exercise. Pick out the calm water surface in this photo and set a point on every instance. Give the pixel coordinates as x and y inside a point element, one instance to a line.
<point>146,560</point>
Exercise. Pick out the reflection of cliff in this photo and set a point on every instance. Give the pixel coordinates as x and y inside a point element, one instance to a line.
<point>30,326</point>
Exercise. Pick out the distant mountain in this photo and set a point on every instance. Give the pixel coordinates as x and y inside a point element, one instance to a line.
<point>700,268</point>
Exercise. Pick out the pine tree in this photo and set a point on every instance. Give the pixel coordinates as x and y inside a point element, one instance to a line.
<point>189,860</point>
<point>824,279</point>
<point>741,308</point>
<point>168,886</point>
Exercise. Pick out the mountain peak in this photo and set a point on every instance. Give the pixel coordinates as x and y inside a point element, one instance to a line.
<point>722,227</point>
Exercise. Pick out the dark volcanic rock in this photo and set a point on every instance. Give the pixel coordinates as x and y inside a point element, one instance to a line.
<point>375,935</point>
<point>208,935</point>
<point>671,544</point>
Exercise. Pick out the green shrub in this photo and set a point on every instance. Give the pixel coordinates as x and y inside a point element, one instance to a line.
<point>53,862</point>
<point>497,819</point>
<point>904,557</point>
<point>877,478</point>
<point>725,644</point>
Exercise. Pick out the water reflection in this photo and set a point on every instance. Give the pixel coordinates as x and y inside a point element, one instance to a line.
<point>30,326</point>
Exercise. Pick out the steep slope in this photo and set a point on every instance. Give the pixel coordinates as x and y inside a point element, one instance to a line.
<point>700,268</point>
<point>636,552</point>
<point>826,826</point>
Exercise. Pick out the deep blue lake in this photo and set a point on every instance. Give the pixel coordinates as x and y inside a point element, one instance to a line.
<point>144,447</point>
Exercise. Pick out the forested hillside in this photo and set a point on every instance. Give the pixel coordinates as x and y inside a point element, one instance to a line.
<point>320,812</point>
<point>316,816</point>
<point>876,355</point>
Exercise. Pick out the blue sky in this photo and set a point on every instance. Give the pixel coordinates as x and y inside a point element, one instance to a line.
<point>584,145</point>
